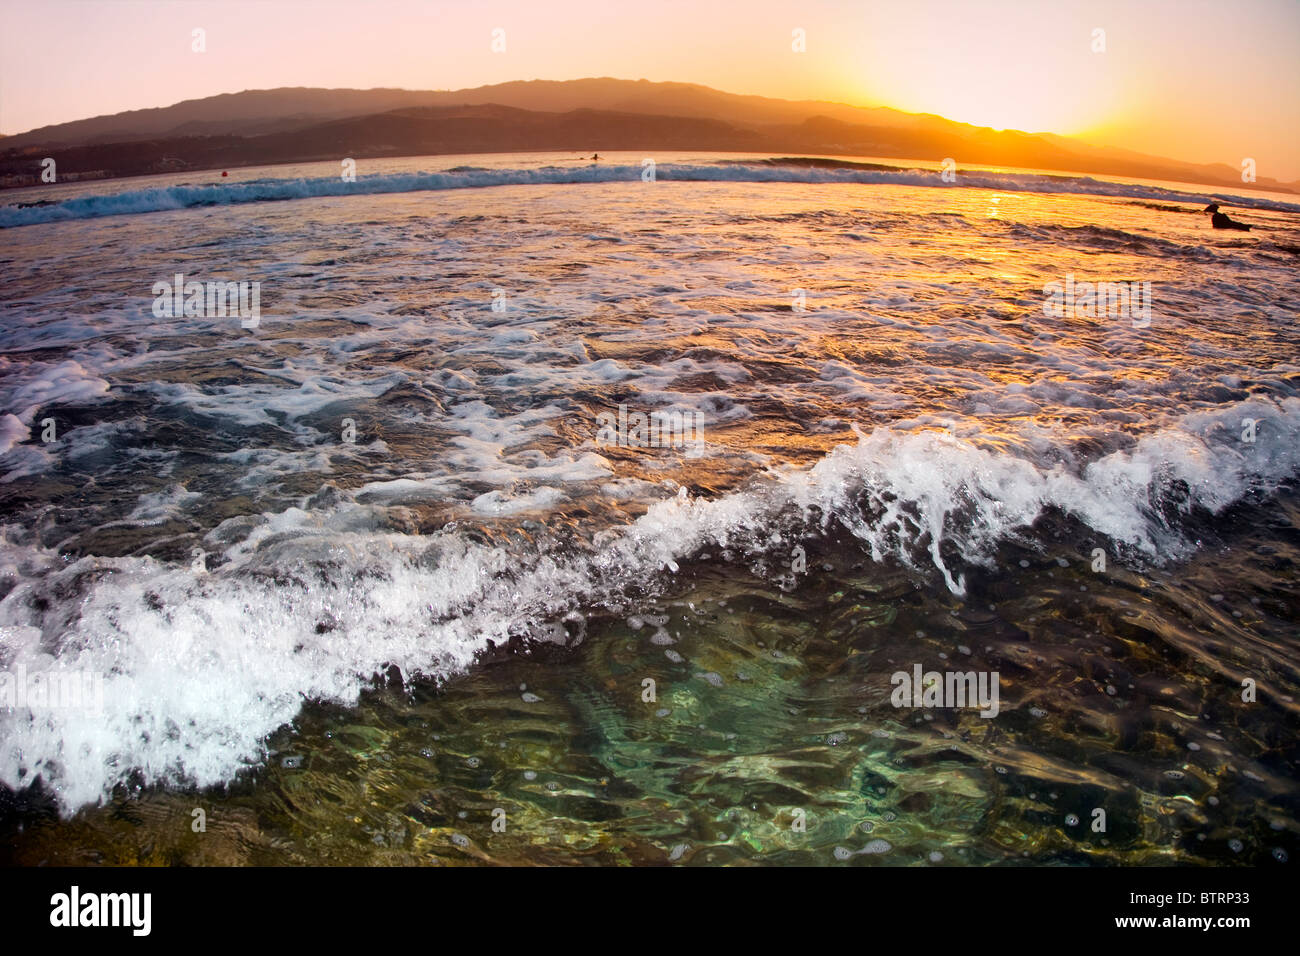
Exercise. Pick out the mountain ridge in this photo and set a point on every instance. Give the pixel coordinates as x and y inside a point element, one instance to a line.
<point>251,126</point>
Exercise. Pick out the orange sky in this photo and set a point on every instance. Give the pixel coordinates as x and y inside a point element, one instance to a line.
<point>1192,79</point>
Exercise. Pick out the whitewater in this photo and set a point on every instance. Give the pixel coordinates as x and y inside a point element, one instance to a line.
<point>159,199</point>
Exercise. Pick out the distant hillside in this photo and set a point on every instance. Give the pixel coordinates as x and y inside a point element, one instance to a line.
<point>241,114</point>
<point>300,124</point>
<point>267,111</point>
<point>410,132</point>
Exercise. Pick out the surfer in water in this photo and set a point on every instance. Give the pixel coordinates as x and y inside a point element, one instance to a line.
<point>1220,220</point>
<point>595,156</point>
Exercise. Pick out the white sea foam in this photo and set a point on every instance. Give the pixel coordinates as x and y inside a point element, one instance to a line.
<point>39,384</point>
<point>160,506</point>
<point>199,667</point>
<point>12,431</point>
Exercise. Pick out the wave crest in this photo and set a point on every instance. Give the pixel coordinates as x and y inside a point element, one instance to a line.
<point>467,177</point>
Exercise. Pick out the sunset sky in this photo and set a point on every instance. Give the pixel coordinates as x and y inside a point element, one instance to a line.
<point>1190,79</point>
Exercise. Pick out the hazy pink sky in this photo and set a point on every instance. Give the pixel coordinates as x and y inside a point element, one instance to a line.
<point>1192,79</point>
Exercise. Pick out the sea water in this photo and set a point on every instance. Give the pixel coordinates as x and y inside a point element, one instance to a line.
<point>367,580</point>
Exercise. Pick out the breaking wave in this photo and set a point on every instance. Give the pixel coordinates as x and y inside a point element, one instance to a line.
<point>469,177</point>
<point>195,668</point>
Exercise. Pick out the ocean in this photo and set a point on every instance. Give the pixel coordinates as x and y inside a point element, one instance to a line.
<point>523,509</point>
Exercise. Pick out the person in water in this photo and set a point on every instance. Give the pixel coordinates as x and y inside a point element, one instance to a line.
<point>1220,220</point>
<point>595,155</point>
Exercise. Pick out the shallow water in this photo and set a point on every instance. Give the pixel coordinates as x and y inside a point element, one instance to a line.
<point>908,463</point>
